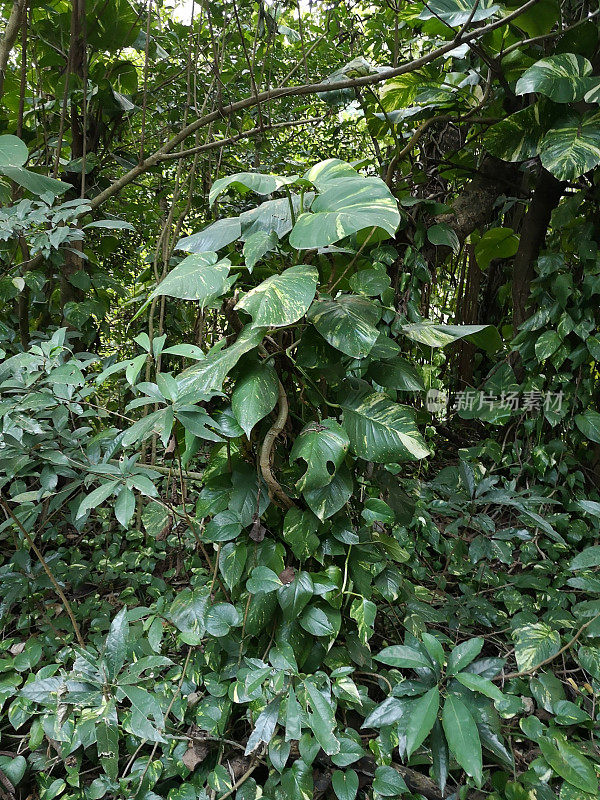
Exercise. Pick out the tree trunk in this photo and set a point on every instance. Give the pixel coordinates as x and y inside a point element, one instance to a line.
<point>10,36</point>
<point>546,197</point>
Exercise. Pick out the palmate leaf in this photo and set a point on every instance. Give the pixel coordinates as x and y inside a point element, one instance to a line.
<point>380,430</point>
<point>346,206</point>
<point>572,146</point>
<point>457,12</point>
<point>516,138</point>
<point>281,299</point>
<point>563,78</point>
<point>198,277</point>
<point>254,396</point>
<point>320,444</point>
<point>347,323</point>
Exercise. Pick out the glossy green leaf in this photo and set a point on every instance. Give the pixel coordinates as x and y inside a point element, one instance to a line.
<point>570,764</point>
<point>587,559</point>
<point>589,424</point>
<point>477,683</point>
<point>248,181</point>
<point>534,643</point>
<point>323,446</point>
<point>462,737</point>
<point>496,243</point>
<point>398,374</point>
<point>422,716</point>
<point>255,395</point>
<point>347,323</point>
<point>36,184</point>
<point>322,720</point>
<point>563,78</point>
<point>258,245</point>
<point>572,146</point>
<point>232,561</point>
<point>281,299</point>
<point>13,151</point>
<point>516,137</point>
<point>380,430</point>
<point>462,655</point>
<point>299,532</point>
<point>212,238</point>
<point>115,648</point>
<point>399,655</point>
<point>345,207</point>
<point>107,740</point>
<point>294,597</point>
<point>434,335</point>
<point>345,784</point>
<point>264,727</point>
<point>198,277</point>
<point>327,500</point>
<point>547,344</point>
<point>388,782</point>
<point>458,12</point>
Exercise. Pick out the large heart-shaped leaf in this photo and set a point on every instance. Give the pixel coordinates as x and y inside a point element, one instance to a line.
<point>517,137</point>
<point>327,500</point>
<point>13,151</point>
<point>457,12</point>
<point>589,424</point>
<point>36,184</point>
<point>198,277</point>
<point>572,146</point>
<point>534,643</point>
<point>254,396</point>
<point>380,430</point>
<point>397,374</point>
<point>346,206</point>
<point>282,299</point>
<point>347,323</point>
<point>433,335</point>
<point>249,181</point>
<point>208,375</point>
<point>320,444</point>
<point>213,237</point>
<point>329,170</point>
<point>563,78</point>
<point>273,216</point>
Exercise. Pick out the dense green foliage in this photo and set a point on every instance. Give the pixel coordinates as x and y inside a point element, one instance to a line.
<point>300,450</point>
